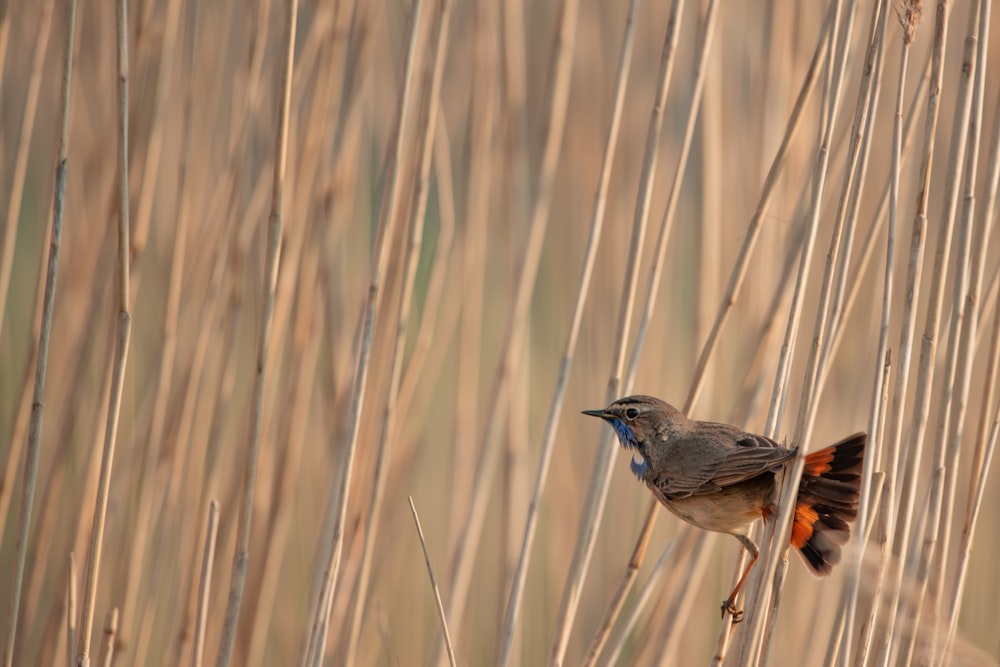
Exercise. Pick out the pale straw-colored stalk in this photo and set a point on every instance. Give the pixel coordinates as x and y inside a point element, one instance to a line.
<point>755,643</point>
<point>736,279</point>
<point>434,587</point>
<point>666,222</point>
<point>429,112</point>
<point>241,555</point>
<point>71,589</point>
<point>929,340</point>
<point>123,333</point>
<point>649,589</point>
<point>985,442</point>
<point>652,289</point>
<point>973,242</point>
<point>110,635</point>
<point>462,560</point>
<point>388,218</point>
<point>891,462</point>
<point>876,414</point>
<point>32,447</point>
<point>618,598</point>
<point>21,155</point>
<point>601,474</point>
<point>308,340</point>
<point>205,583</point>
<point>153,146</point>
<point>515,597</point>
<point>975,504</point>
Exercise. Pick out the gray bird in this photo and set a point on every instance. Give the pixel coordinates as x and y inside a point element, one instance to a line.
<point>721,478</point>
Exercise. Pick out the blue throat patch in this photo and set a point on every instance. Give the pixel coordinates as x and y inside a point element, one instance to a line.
<point>625,435</point>
<point>627,439</point>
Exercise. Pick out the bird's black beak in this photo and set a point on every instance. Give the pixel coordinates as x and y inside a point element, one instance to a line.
<point>596,413</point>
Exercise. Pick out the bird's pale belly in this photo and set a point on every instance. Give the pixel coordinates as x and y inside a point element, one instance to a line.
<point>731,510</point>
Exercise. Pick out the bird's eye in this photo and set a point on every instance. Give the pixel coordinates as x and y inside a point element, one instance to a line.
<point>631,413</point>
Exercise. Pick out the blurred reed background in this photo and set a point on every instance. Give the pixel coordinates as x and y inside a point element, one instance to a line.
<point>462,270</point>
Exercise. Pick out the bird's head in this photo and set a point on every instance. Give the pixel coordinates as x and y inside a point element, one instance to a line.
<point>636,421</point>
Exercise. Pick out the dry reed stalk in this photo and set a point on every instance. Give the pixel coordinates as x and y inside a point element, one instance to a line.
<point>601,475</point>
<point>495,103</point>
<point>471,265</point>
<point>655,273</point>
<point>648,590</point>
<point>973,240</point>
<point>975,504</point>
<point>385,236</point>
<point>848,205</point>
<point>681,602</point>
<point>120,358</point>
<point>737,277</point>
<point>666,223</point>
<point>110,634</point>
<point>21,156</point>
<point>891,445</point>
<point>618,599</point>
<point>241,555</point>
<point>308,339</point>
<point>514,599</point>
<point>153,146</point>
<point>756,641</point>
<point>428,112</point>
<point>434,587</point>
<point>71,611</point>
<point>985,442</point>
<point>25,412</point>
<point>432,347</point>
<point>42,328</point>
<point>155,437</point>
<point>932,325</point>
<point>880,13</point>
<point>205,584</point>
<point>4,35</point>
<point>440,269</point>
<point>846,305</point>
<point>876,430</point>
<point>513,339</point>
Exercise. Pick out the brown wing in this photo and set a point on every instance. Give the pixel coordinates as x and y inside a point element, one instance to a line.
<point>697,469</point>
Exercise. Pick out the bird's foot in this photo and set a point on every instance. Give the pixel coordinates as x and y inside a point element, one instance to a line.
<point>729,607</point>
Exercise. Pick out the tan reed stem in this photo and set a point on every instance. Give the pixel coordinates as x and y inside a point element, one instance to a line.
<point>241,556</point>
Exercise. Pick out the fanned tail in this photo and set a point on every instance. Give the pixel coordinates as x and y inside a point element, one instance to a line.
<point>828,502</point>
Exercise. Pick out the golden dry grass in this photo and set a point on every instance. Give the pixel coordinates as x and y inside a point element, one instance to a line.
<point>478,290</point>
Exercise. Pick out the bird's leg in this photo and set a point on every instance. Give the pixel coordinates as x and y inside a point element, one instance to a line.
<point>729,605</point>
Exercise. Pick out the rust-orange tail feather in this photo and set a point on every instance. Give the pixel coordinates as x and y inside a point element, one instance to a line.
<point>828,502</point>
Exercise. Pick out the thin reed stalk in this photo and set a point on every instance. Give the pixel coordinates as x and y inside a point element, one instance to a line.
<point>205,583</point>
<point>601,475</point>
<point>71,589</point>
<point>513,339</point>
<point>388,215</point>
<point>756,641</point>
<point>929,340</point>
<point>118,364</point>
<point>515,597</point>
<point>241,555</point>
<point>892,462</point>
<point>434,587</point>
<point>390,429</point>
<point>33,445</point>
<point>973,241</point>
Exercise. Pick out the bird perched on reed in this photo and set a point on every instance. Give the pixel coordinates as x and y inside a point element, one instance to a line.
<point>721,478</point>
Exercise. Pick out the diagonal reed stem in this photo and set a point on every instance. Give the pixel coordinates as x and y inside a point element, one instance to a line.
<point>241,556</point>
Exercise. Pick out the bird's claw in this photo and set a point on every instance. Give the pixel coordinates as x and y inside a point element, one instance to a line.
<point>729,607</point>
